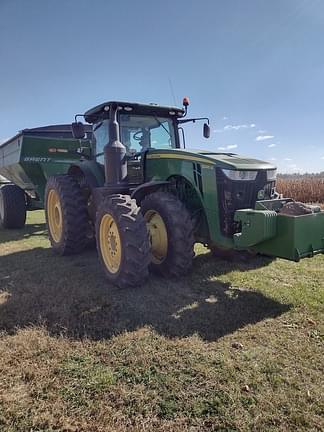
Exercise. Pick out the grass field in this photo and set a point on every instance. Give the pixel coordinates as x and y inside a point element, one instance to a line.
<point>230,347</point>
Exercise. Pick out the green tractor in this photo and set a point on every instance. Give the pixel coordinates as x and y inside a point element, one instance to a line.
<point>145,199</point>
<point>126,181</point>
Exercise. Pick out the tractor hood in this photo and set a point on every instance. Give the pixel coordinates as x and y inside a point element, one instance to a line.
<point>222,160</point>
<point>234,161</point>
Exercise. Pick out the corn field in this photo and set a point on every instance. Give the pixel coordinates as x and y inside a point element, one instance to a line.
<point>308,188</point>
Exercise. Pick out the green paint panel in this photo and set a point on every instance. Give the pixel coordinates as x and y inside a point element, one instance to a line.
<point>166,168</point>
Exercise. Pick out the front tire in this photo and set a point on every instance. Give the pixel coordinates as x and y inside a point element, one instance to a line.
<point>12,207</point>
<point>171,234</point>
<point>122,241</point>
<point>66,215</point>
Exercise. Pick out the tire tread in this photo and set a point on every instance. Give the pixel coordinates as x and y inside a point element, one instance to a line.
<point>75,217</point>
<point>14,203</point>
<point>134,237</point>
<point>180,233</point>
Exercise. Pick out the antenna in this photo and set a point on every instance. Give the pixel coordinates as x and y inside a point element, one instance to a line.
<point>172,91</point>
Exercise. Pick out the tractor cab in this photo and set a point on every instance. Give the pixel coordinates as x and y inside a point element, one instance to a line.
<point>141,127</point>
<point>138,133</point>
<point>136,129</point>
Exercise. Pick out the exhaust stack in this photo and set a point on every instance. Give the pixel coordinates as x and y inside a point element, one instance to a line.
<point>114,153</point>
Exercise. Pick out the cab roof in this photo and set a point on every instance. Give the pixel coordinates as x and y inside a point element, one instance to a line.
<point>102,111</point>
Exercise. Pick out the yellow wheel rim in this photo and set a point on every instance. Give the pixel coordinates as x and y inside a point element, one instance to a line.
<point>54,214</point>
<point>110,244</point>
<point>158,236</point>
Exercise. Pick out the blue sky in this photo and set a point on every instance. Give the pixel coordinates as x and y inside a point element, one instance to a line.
<point>255,67</point>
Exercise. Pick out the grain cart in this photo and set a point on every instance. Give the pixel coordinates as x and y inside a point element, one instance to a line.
<point>148,199</point>
<point>26,161</point>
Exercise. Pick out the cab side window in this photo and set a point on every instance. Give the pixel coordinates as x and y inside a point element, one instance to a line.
<point>101,135</point>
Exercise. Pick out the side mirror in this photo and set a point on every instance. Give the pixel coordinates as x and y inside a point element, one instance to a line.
<point>78,131</point>
<point>206,130</point>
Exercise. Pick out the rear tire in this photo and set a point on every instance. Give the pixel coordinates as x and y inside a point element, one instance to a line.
<point>171,234</point>
<point>12,207</point>
<point>122,241</point>
<point>66,215</point>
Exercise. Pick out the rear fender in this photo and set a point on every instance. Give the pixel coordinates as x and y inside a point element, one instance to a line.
<point>90,171</point>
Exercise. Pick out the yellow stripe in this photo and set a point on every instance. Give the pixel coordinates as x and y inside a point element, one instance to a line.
<point>178,156</point>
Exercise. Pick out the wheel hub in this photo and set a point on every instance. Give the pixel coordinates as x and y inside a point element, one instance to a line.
<point>110,243</point>
<point>55,218</point>
<point>158,236</point>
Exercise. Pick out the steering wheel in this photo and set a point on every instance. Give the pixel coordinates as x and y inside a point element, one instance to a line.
<point>138,136</point>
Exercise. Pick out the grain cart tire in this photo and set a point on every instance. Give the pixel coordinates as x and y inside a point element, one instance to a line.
<point>66,215</point>
<point>12,207</point>
<point>171,234</point>
<point>122,241</point>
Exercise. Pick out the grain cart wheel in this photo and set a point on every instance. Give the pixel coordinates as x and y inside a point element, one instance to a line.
<point>122,241</point>
<point>12,207</point>
<point>171,233</point>
<point>66,215</point>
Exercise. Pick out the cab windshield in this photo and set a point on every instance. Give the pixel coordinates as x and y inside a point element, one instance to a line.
<point>137,133</point>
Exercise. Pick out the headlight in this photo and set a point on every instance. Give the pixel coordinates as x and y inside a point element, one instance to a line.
<point>240,175</point>
<point>271,175</point>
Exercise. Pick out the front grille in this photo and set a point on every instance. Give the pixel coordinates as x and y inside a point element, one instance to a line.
<point>235,195</point>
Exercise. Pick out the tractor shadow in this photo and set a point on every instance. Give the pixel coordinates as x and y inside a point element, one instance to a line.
<point>70,296</point>
<point>30,230</point>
